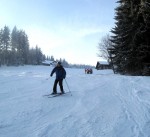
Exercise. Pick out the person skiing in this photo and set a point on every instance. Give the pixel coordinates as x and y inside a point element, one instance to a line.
<point>60,75</point>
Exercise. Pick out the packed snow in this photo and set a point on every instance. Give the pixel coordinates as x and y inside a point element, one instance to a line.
<point>102,104</point>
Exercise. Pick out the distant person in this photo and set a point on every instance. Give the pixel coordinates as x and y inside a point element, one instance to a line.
<point>60,75</point>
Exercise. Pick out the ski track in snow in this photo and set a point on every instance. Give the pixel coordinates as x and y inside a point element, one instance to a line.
<point>136,110</point>
<point>102,105</point>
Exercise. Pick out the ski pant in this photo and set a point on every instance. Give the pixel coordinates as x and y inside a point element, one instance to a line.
<point>60,84</point>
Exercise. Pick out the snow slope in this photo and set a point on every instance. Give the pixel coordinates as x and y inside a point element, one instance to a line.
<point>102,104</point>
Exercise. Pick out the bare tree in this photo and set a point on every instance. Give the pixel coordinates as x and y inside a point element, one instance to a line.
<point>103,46</point>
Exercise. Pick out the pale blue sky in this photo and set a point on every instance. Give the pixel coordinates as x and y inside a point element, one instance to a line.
<point>69,29</point>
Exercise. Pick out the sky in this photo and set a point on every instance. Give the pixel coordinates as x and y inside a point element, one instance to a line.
<point>67,29</point>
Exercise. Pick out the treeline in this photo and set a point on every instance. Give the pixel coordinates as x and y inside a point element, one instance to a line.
<point>15,49</point>
<point>130,49</point>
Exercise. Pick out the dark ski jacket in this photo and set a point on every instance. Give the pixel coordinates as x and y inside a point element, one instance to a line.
<point>60,72</point>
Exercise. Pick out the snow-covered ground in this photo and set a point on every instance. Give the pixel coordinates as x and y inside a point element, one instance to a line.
<point>102,104</point>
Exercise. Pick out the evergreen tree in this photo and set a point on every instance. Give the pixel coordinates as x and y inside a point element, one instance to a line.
<point>6,38</point>
<point>65,63</point>
<point>14,39</point>
<point>130,37</point>
<point>23,47</point>
<point>52,58</point>
<point>1,47</point>
<point>32,56</point>
<point>142,35</point>
<point>14,45</point>
<point>5,44</point>
<point>39,56</point>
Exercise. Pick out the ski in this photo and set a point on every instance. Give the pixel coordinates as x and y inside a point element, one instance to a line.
<point>47,95</point>
<point>58,94</point>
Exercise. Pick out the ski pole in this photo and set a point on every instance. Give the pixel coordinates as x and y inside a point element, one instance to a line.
<point>68,86</point>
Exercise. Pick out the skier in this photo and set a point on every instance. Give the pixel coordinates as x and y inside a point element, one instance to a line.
<point>60,75</point>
